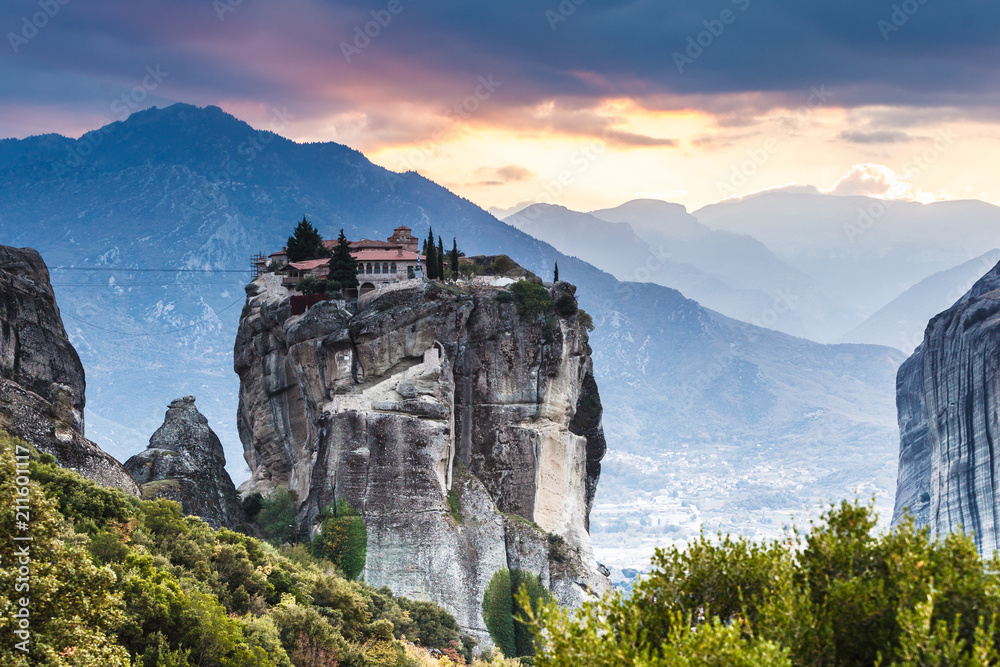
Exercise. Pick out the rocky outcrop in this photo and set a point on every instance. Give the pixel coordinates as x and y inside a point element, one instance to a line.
<point>41,378</point>
<point>185,462</point>
<point>469,438</point>
<point>948,399</point>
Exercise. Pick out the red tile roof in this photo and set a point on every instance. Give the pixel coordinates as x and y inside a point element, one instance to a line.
<point>386,256</point>
<point>309,264</point>
<point>368,243</point>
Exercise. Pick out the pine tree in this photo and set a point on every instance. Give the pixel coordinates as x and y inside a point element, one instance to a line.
<point>305,243</point>
<point>431,262</point>
<point>343,266</point>
<point>439,256</point>
<point>453,257</point>
<point>555,274</point>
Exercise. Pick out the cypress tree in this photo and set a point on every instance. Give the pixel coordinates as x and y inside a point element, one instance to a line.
<point>343,266</point>
<point>555,274</point>
<point>440,259</point>
<point>453,256</point>
<point>431,261</point>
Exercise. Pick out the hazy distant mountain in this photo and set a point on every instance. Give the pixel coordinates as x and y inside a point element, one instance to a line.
<point>865,250</point>
<point>655,241</point>
<point>902,321</point>
<point>138,206</point>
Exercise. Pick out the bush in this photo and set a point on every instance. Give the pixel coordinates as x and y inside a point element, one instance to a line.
<point>343,539</point>
<point>501,265</point>
<point>511,596</point>
<point>586,320</point>
<point>566,306</point>
<point>277,516</point>
<point>838,595</point>
<point>252,504</point>
<point>138,584</point>
<point>532,299</point>
<point>312,285</point>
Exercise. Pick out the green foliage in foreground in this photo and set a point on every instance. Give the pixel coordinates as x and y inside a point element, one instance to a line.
<point>837,595</point>
<point>503,612</point>
<point>118,582</point>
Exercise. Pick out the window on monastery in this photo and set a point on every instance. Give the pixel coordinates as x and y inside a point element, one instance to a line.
<point>393,269</point>
<point>385,267</point>
<point>377,268</point>
<point>369,269</point>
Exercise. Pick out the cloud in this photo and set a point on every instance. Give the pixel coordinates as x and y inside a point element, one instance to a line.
<point>513,172</point>
<point>293,55</point>
<point>871,180</point>
<point>497,176</point>
<point>876,137</point>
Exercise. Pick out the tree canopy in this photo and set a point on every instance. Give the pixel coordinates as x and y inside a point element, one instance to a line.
<point>837,595</point>
<point>343,266</point>
<point>305,243</point>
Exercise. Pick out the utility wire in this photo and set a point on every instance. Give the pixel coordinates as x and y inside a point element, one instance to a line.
<point>160,333</point>
<point>128,270</point>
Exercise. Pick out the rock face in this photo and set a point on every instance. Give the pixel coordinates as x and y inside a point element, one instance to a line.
<point>41,378</point>
<point>185,462</point>
<point>469,438</point>
<point>948,399</point>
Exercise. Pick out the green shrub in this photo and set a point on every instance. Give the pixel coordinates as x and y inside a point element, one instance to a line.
<point>456,513</point>
<point>566,306</point>
<point>504,613</point>
<point>343,538</point>
<point>277,516</point>
<point>501,265</point>
<point>312,285</point>
<point>532,299</point>
<point>138,584</point>
<point>433,627</point>
<point>505,297</point>
<point>585,319</point>
<point>838,595</point>
<point>252,504</point>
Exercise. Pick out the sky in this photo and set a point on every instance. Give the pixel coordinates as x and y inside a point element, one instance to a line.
<point>585,103</point>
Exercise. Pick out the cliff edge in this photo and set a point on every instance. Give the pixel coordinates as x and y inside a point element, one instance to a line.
<point>41,378</point>
<point>948,398</point>
<point>467,435</point>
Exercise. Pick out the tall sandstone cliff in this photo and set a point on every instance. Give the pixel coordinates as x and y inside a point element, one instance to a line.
<point>41,378</point>
<point>468,438</point>
<point>948,398</point>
